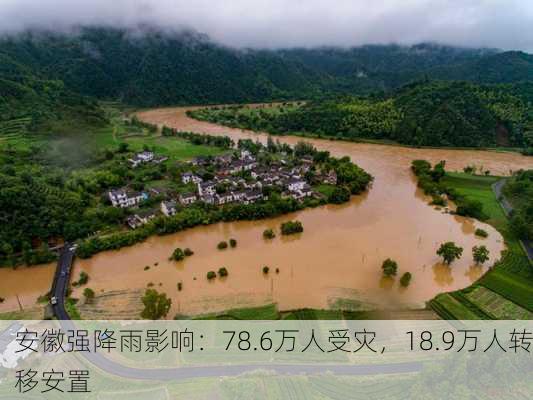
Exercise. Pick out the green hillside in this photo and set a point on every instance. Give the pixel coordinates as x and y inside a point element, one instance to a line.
<point>149,67</point>
<point>439,113</point>
<point>29,103</point>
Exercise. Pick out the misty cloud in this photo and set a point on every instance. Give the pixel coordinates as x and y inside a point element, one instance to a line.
<point>506,24</point>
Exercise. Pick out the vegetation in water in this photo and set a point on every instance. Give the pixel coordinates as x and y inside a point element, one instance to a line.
<point>481,233</point>
<point>291,227</point>
<point>156,305</point>
<point>178,254</point>
<point>269,234</point>
<point>405,280</point>
<point>449,252</point>
<point>480,254</point>
<point>389,267</point>
<point>89,294</point>
<point>82,280</point>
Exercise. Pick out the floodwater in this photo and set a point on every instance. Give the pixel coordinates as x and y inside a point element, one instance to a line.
<point>336,262</point>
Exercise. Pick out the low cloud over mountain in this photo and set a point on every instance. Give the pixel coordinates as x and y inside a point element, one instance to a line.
<point>279,23</point>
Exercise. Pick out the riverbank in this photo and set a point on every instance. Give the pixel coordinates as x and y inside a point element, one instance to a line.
<point>506,290</point>
<point>386,142</point>
<point>394,213</point>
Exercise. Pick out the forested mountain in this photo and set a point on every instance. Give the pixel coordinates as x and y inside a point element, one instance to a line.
<point>41,103</point>
<point>150,68</point>
<point>428,113</point>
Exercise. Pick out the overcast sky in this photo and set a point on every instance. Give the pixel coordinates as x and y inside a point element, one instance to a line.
<point>506,24</point>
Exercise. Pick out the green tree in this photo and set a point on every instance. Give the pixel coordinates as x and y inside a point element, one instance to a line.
<point>178,254</point>
<point>233,243</point>
<point>449,252</point>
<point>156,305</point>
<point>389,267</point>
<point>405,279</point>
<point>480,254</point>
<point>222,245</point>
<point>291,227</point>
<point>211,275</point>
<point>222,272</point>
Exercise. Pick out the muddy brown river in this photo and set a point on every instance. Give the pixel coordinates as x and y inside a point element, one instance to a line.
<point>336,262</point>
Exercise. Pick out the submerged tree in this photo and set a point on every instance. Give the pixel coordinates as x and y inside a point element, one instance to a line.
<point>389,267</point>
<point>480,254</point>
<point>406,279</point>
<point>449,251</point>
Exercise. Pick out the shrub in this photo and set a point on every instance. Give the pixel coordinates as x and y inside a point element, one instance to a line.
<point>438,200</point>
<point>88,293</point>
<point>2,300</point>
<point>156,305</point>
<point>188,252</point>
<point>178,254</point>
<point>269,234</point>
<point>291,227</point>
<point>222,272</point>
<point>481,233</point>
<point>211,275</point>
<point>180,286</point>
<point>389,267</point>
<point>277,270</point>
<point>83,279</point>
<point>265,270</point>
<point>222,245</point>
<point>146,268</point>
<point>233,243</point>
<point>405,279</point>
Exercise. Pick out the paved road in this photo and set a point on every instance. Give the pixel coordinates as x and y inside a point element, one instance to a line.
<point>61,281</point>
<point>507,209</point>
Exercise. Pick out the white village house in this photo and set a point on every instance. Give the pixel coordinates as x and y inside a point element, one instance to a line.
<point>123,198</point>
<point>140,158</point>
<point>188,177</point>
<point>187,198</point>
<point>295,184</point>
<point>168,208</point>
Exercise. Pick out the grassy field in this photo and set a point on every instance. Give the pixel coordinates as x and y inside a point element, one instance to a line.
<point>506,291</point>
<point>137,138</point>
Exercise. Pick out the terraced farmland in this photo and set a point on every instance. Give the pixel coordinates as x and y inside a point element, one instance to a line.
<point>15,132</point>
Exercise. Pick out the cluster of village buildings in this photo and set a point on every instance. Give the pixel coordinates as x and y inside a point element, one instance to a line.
<point>227,185</point>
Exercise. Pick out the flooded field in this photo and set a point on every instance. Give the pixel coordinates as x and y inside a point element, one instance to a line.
<point>336,262</point>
